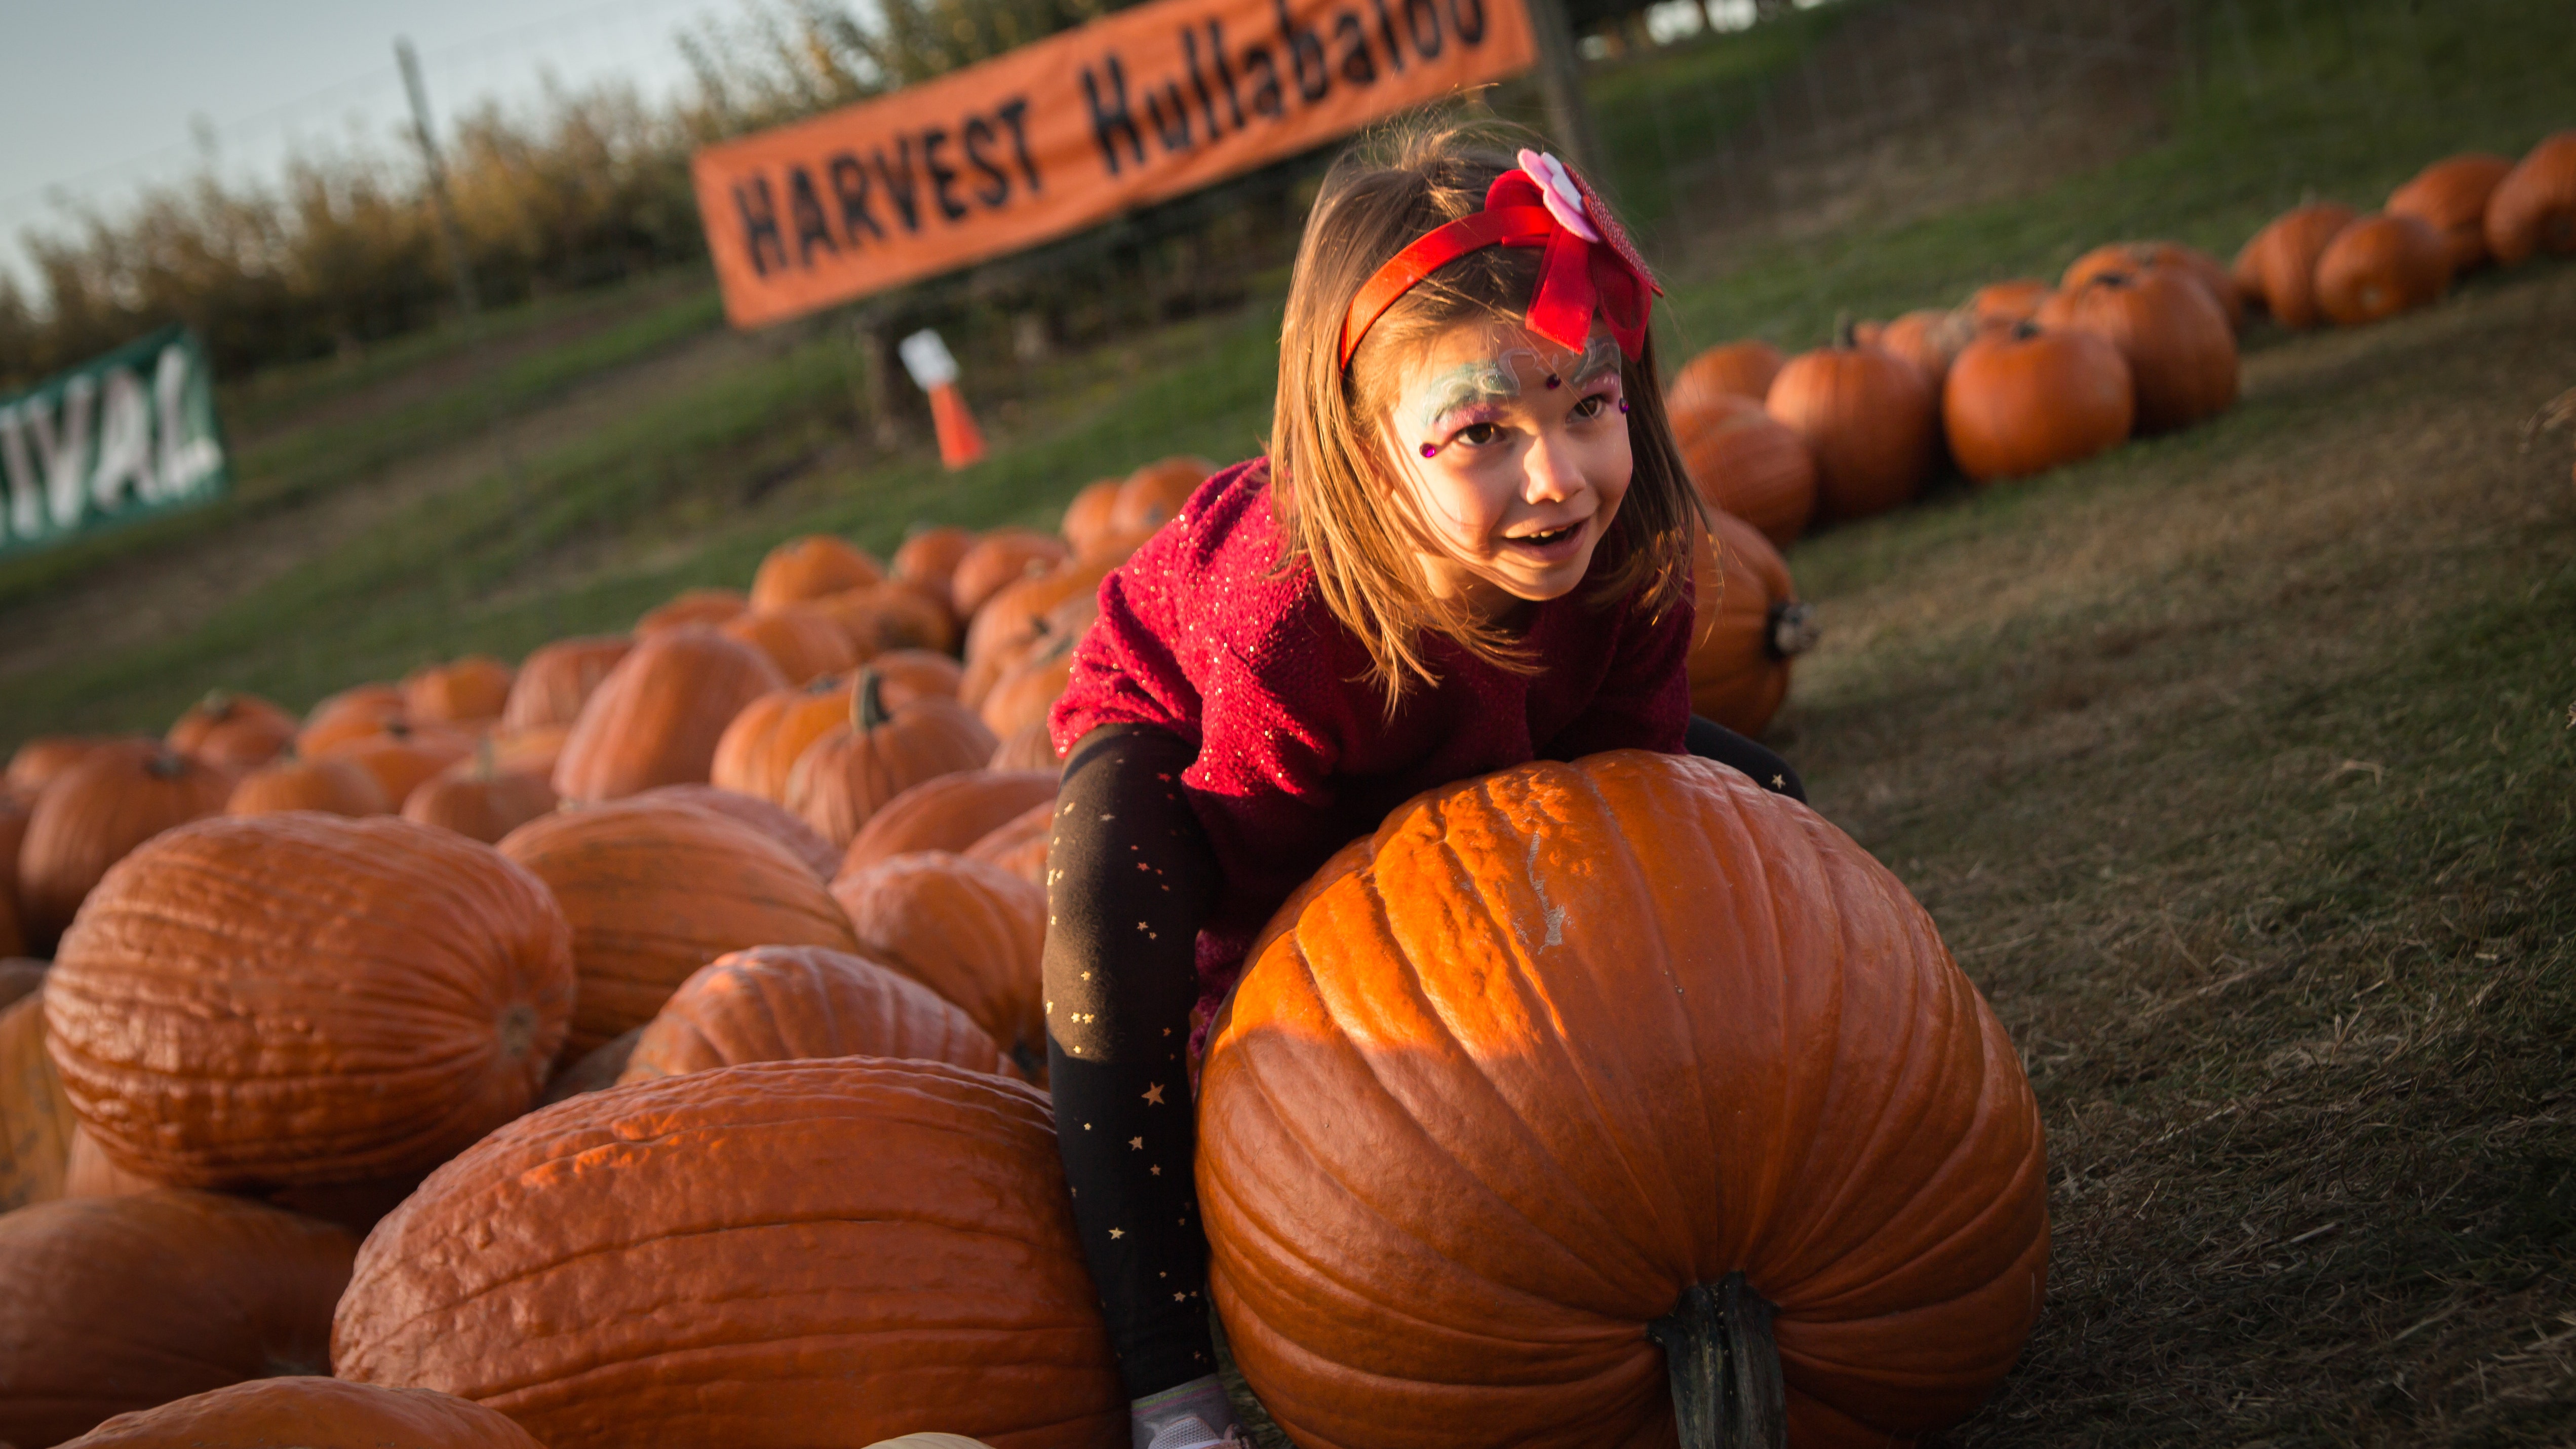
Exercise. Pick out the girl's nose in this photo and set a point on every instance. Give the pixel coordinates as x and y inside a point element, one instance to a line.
<point>1549,471</point>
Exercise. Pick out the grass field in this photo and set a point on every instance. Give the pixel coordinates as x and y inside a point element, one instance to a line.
<point>2238,767</point>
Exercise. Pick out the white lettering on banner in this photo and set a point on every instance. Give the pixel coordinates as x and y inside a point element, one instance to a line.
<point>124,444</point>
<point>63,448</point>
<point>26,499</point>
<point>186,460</point>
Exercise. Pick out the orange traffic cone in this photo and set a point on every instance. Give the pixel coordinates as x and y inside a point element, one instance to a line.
<point>935,372</point>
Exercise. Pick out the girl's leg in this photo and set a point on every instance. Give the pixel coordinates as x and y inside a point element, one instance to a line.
<point>1129,880</point>
<point>1710,740</point>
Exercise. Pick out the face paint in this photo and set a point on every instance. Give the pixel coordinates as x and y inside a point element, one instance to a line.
<point>1482,383</point>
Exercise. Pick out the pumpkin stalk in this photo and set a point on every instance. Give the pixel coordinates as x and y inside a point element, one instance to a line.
<point>867,710</point>
<point>1791,630</point>
<point>1724,1367</point>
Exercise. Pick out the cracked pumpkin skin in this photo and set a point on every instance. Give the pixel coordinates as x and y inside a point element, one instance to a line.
<point>1557,1044</point>
<point>274,1000</point>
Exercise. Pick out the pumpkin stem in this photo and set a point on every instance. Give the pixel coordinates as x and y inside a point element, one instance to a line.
<point>867,709</point>
<point>169,764</point>
<point>1846,330</point>
<point>2026,329</point>
<point>1790,630</point>
<point>1725,1368</point>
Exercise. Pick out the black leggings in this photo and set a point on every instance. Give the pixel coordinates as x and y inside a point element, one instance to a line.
<point>1130,881</point>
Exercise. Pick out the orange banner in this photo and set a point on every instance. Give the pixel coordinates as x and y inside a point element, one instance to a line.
<point>1132,108</point>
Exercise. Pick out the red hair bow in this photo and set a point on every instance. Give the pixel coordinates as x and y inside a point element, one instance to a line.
<point>1578,277</point>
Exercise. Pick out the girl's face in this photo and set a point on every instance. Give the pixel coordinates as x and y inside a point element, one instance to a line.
<point>1513,452</point>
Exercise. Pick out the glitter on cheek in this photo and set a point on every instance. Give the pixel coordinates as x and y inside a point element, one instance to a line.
<point>1428,449</point>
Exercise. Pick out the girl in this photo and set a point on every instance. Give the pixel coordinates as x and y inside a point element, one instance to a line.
<point>1470,549</point>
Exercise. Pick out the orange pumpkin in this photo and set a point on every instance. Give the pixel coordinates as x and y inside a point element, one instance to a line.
<point>904,675</point>
<point>1743,369</point>
<point>656,889</point>
<point>1929,338</point>
<point>2180,350</point>
<point>809,568</point>
<point>773,820</point>
<point>352,714</point>
<point>36,1118</point>
<point>949,812</point>
<point>891,1239</point>
<point>2281,260</point>
<point>1868,419</point>
<point>2451,196</point>
<point>2007,304</point>
<point>997,559</point>
<point>803,640</point>
<point>1154,494</point>
<point>1086,518</point>
<point>303,1409</point>
<point>118,1304</point>
<point>476,687</point>
<point>2136,257</point>
<point>302,998</point>
<point>1028,748</point>
<point>1025,695</point>
<point>1060,627</point>
<point>709,606</point>
<point>478,799</point>
<point>760,747</point>
<point>2533,209</point>
<point>1020,610</point>
<point>532,751</point>
<point>798,1003</point>
<point>657,716</point>
<point>20,977</point>
<point>929,555</point>
<point>235,731</point>
<point>850,772</point>
<point>1019,844</point>
<point>333,785</point>
<point>892,615</point>
<point>34,764</point>
<point>554,681</point>
<point>1747,628</point>
<point>2380,266</point>
<point>403,758</point>
<point>1519,1092</point>
<point>970,931</point>
<point>117,797</point>
<point>1749,463</point>
<point>2025,401</point>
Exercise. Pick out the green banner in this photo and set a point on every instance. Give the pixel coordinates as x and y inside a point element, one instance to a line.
<point>120,437</point>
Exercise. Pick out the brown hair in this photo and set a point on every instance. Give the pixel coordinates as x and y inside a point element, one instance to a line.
<point>1330,481</point>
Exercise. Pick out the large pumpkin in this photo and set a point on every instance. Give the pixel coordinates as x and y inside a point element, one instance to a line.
<point>657,716</point>
<point>2025,401</point>
<point>996,559</point>
<point>949,812</point>
<point>34,764</point>
<point>2533,209</point>
<point>232,730</point>
<point>809,568</point>
<point>970,931</point>
<point>2178,344</point>
<point>403,757</point>
<point>2007,304</point>
<point>1153,494</point>
<point>1025,694</point>
<point>1868,418</point>
<point>850,772</point>
<point>732,1258</point>
<point>114,799</point>
<point>478,799</point>
<point>36,1119</point>
<point>1519,1092</point>
<point>1747,629</point>
<point>929,555</point>
<point>797,1003</point>
<point>1742,369</point>
<point>1745,461</point>
<point>656,890</point>
<point>2281,260</point>
<point>2380,266</point>
<point>1927,337</point>
<point>302,998</point>
<point>557,679</point>
<point>767,817</point>
<point>333,785</point>
<point>760,747</point>
<point>476,687</point>
<point>121,1303</point>
<point>2135,257</point>
<point>312,1413</point>
<point>1019,844</point>
<point>2451,196</point>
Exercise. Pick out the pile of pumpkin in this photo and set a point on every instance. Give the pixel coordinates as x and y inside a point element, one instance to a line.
<point>2134,338</point>
<point>580,1038</point>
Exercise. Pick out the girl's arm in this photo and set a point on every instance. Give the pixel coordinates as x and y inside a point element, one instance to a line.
<point>1644,701</point>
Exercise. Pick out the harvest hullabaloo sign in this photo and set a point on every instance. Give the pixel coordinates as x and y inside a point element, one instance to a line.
<point>119,437</point>
<point>1135,107</point>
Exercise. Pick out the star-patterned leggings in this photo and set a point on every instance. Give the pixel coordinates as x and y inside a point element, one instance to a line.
<point>1130,879</point>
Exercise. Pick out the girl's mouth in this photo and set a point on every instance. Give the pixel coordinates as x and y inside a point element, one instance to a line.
<point>1551,546</point>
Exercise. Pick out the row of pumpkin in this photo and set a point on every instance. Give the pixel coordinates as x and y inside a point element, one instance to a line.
<point>2134,338</point>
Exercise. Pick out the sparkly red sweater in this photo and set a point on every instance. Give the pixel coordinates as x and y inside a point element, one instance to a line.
<point>1200,634</point>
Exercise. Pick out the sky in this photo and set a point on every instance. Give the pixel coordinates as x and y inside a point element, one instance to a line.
<point>100,95</point>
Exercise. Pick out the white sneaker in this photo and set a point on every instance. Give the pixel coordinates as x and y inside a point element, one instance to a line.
<point>1191,1432</point>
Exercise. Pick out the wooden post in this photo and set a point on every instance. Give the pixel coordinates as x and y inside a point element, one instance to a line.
<point>1560,87</point>
<point>439,201</point>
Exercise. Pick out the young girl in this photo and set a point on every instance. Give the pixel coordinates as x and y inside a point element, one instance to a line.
<point>1469,549</point>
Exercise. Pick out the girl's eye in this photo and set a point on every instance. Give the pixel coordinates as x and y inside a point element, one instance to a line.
<point>1593,405</point>
<point>1476,435</point>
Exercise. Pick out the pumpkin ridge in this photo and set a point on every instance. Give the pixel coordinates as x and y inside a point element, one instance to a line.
<point>1982,1224</point>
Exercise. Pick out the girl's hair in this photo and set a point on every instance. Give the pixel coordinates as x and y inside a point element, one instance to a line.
<point>1331,481</point>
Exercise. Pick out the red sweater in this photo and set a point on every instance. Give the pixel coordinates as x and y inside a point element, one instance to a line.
<point>1296,756</point>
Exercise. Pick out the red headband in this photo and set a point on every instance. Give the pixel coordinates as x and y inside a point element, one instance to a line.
<point>1589,265</point>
